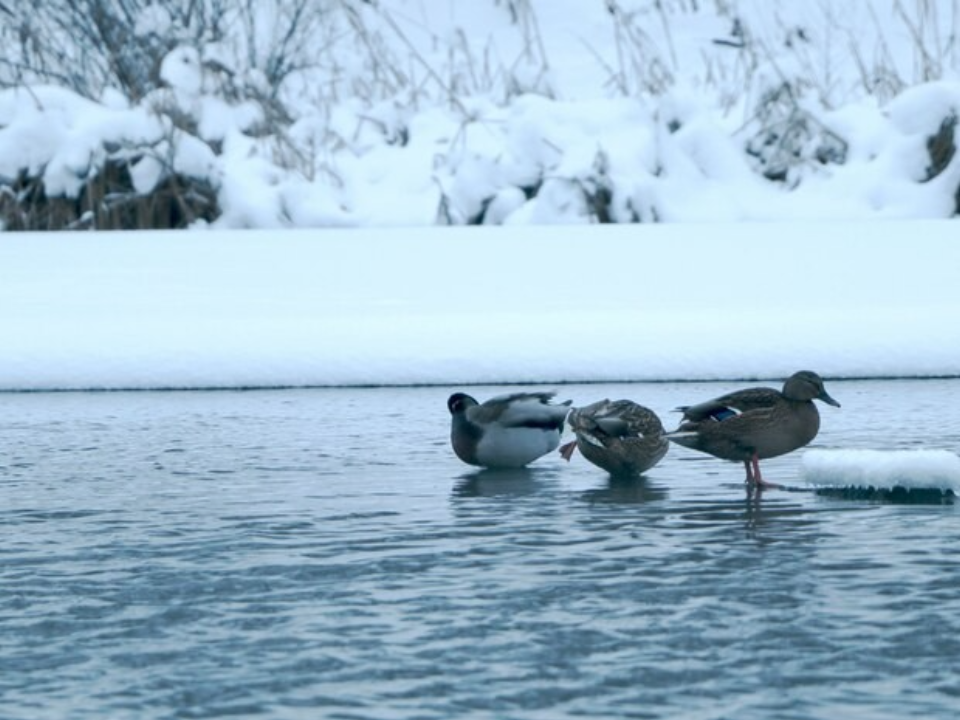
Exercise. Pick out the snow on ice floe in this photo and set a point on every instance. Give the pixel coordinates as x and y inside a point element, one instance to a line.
<point>883,469</point>
<point>483,305</point>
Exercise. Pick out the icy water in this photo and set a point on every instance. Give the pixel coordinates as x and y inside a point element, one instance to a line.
<point>322,554</point>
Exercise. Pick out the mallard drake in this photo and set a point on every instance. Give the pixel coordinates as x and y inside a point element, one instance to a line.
<point>756,423</point>
<point>507,431</point>
<point>619,436</point>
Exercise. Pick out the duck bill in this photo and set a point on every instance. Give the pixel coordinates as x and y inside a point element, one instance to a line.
<point>828,400</point>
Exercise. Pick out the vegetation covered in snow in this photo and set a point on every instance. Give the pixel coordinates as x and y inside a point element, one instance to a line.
<point>312,113</point>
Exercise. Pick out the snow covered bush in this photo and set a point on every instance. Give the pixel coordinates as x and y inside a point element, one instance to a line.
<point>141,96</point>
<point>283,113</point>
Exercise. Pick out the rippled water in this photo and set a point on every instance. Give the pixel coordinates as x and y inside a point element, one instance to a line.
<point>321,553</point>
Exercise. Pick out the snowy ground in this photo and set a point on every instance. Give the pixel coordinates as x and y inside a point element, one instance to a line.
<point>536,304</point>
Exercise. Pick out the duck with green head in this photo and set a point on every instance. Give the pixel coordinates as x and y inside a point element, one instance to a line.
<point>507,431</point>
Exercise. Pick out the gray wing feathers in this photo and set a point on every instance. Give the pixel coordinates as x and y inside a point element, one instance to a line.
<point>521,410</point>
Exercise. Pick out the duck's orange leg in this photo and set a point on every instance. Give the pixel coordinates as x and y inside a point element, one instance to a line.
<point>758,478</point>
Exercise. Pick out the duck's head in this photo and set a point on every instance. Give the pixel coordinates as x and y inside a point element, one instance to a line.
<point>458,403</point>
<point>807,385</point>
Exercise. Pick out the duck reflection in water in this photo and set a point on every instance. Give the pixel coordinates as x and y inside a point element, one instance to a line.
<point>502,482</point>
<point>626,490</point>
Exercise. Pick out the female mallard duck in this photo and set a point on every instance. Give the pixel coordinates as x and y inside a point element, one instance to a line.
<point>619,436</point>
<point>508,431</point>
<point>754,424</point>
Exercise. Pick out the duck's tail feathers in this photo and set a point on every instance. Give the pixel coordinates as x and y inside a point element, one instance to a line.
<point>687,438</point>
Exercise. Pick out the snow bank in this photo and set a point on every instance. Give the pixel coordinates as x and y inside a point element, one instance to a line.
<point>883,469</point>
<point>556,112</point>
<point>535,304</point>
<point>535,161</point>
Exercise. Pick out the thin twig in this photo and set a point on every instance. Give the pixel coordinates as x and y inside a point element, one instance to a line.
<point>415,53</point>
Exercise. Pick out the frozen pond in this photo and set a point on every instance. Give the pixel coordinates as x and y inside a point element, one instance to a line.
<point>322,553</point>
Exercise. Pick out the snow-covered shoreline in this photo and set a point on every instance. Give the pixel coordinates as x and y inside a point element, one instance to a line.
<point>534,304</point>
<point>404,113</point>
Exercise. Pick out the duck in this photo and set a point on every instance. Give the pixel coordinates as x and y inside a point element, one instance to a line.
<point>619,436</point>
<point>507,431</point>
<point>755,423</point>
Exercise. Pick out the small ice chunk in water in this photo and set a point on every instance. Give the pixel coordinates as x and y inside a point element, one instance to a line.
<point>883,469</point>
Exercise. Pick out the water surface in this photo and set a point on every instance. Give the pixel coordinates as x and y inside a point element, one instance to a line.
<point>322,553</point>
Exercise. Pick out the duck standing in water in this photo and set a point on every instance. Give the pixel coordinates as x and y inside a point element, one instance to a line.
<point>756,423</point>
<point>508,431</point>
<point>619,436</point>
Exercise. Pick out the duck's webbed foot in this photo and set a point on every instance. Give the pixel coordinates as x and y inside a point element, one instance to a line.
<point>755,478</point>
<point>566,450</point>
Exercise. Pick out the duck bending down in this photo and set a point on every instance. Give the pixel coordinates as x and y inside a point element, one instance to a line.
<point>756,423</point>
<point>619,436</point>
<point>507,431</point>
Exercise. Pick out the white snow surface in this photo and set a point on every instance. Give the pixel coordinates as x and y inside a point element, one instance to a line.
<point>882,469</point>
<point>516,114</point>
<point>515,304</point>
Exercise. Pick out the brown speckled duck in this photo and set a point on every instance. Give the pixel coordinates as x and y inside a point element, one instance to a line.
<point>619,436</point>
<point>756,423</point>
<point>508,431</point>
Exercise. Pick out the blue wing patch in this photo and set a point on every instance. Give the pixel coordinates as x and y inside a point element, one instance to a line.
<point>724,413</point>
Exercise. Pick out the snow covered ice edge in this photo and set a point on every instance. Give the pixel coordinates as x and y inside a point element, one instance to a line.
<point>883,469</point>
<point>488,305</point>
